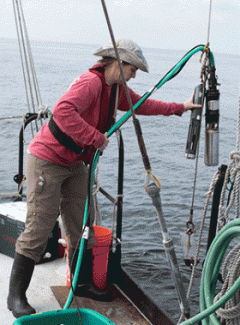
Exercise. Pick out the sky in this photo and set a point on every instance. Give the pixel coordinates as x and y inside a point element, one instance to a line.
<point>163,24</point>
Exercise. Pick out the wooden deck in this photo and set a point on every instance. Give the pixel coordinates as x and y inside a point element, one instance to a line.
<point>120,311</point>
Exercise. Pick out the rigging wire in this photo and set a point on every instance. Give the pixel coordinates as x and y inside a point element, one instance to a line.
<point>204,78</point>
<point>209,21</point>
<point>190,231</point>
<point>32,91</point>
<point>11,117</point>
<point>21,49</point>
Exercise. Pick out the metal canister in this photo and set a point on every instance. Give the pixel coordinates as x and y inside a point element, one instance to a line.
<point>195,124</point>
<point>212,133</point>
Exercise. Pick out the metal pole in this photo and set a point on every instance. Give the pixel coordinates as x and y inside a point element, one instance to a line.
<point>136,123</point>
<point>153,192</point>
<point>152,188</point>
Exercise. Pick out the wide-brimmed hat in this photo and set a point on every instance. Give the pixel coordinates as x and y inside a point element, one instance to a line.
<point>128,51</point>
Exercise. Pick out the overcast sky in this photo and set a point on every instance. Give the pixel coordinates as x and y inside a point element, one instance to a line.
<point>165,24</point>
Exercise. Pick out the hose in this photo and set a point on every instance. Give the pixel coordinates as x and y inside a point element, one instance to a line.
<point>171,74</point>
<point>210,274</point>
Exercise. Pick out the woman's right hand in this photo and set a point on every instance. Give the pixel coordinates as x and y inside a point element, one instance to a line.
<point>105,144</point>
<point>188,105</point>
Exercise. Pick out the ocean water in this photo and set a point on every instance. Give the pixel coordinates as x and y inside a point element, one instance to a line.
<point>57,65</point>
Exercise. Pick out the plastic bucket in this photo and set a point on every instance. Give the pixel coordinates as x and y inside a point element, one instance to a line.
<point>64,317</point>
<point>100,253</point>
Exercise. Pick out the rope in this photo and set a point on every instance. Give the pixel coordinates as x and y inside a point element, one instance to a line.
<point>233,173</point>
<point>11,117</point>
<point>238,130</point>
<point>210,274</point>
<point>209,21</point>
<point>33,96</point>
<point>204,70</point>
<point>230,273</point>
<point>208,195</point>
<point>230,313</point>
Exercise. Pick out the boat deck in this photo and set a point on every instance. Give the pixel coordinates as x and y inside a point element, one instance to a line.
<point>39,293</point>
<point>48,291</point>
<point>120,310</point>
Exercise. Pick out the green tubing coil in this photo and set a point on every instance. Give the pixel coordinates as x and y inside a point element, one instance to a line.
<point>171,74</point>
<point>210,273</point>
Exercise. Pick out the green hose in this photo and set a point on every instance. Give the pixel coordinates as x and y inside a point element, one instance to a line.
<point>210,273</point>
<point>172,73</point>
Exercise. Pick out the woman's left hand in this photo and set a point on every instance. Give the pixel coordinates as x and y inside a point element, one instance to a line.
<point>189,104</point>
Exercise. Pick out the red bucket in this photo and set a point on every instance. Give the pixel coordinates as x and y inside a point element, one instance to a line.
<point>100,253</point>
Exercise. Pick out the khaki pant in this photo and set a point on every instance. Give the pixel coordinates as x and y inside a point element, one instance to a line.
<point>52,189</point>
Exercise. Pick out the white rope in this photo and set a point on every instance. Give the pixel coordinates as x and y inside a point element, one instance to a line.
<point>209,20</point>
<point>11,117</point>
<point>209,194</point>
<point>232,173</point>
<point>43,111</point>
<point>33,96</point>
<point>229,314</point>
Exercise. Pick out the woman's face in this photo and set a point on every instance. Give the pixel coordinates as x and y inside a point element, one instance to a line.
<point>113,74</point>
<point>129,72</point>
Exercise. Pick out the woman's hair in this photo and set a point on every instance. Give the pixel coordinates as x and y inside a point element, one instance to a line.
<point>107,60</point>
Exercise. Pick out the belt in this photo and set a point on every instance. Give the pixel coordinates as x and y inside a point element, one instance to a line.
<point>64,139</point>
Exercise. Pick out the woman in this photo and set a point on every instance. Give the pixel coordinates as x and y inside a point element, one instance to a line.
<point>56,165</point>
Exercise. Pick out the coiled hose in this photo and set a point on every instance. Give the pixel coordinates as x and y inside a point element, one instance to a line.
<point>210,274</point>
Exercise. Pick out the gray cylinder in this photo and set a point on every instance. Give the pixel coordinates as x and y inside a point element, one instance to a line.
<point>212,134</point>
<point>195,124</point>
<point>211,147</point>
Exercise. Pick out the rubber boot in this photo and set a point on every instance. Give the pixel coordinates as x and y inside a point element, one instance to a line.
<point>85,286</point>
<point>21,274</point>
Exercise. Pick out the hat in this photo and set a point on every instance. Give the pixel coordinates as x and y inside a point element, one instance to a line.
<point>128,51</point>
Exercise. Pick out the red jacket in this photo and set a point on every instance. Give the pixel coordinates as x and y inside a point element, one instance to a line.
<point>77,114</point>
